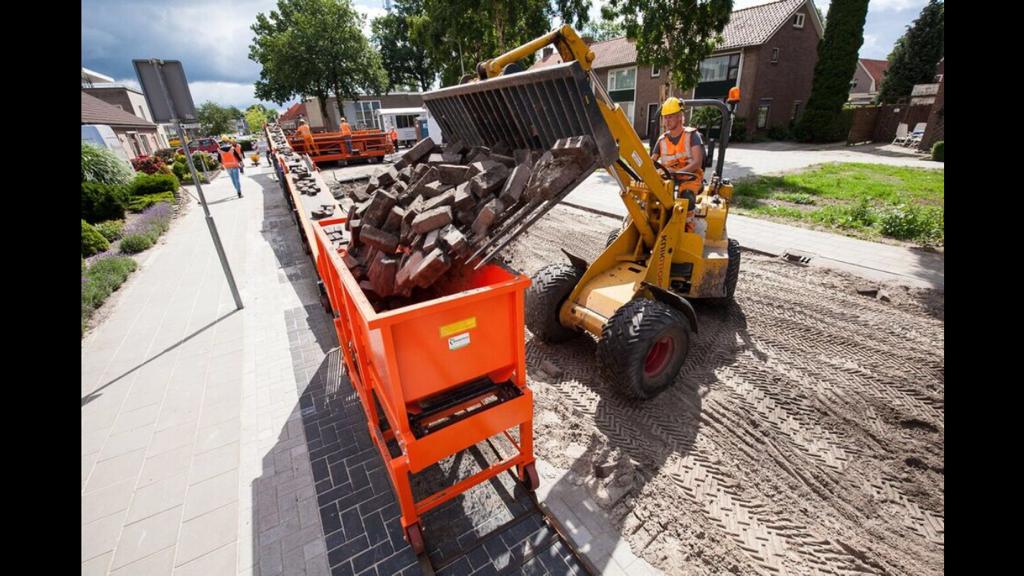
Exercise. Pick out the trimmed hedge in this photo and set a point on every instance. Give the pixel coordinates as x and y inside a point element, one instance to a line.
<point>104,201</point>
<point>111,229</point>
<point>92,241</point>
<point>939,151</point>
<point>145,184</point>
<point>140,203</point>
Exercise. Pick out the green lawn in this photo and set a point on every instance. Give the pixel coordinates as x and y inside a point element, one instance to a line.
<point>862,200</point>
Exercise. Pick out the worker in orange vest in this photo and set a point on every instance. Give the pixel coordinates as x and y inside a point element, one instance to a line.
<point>307,136</point>
<point>394,137</point>
<point>680,149</point>
<point>346,133</point>
<point>231,160</point>
<point>238,148</point>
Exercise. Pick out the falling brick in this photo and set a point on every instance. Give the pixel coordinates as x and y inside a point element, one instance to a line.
<point>431,268</point>
<point>464,199</point>
<point>452,173</point>
<point>405,174</point>
<point>405,272</point>
<point>453,152</point>
<point>454,239</point>
<point>385,178</point>
<point>431,219</point>
<point>445,199</point>
<point>435,159</point>
<point>551,175</point>
<point>489,181</point>
<point>515,185</point>
<point>394,219</point>
<point>381,203</point>
<point>434,189</point>
<point>421,149</point>
<point>355,226</point>
<point>488,214</point>
<point>377,238</point>
<point>430,240</point>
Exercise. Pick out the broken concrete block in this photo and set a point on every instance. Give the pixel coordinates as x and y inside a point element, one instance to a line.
<point>452,173</point>
<point>417,152</point>
<point>454,239</point>
<point>380,204</point>
<point>432,219</point>
<point>551,175</point>
<point>430,175</point>
<point>488,182</point>
<point>445,199</point>
<point>580,147</point>
<point>435,159</point>
<point>430,240</point>
<point>405,271</point>
<point>464,199</point>
<point>453,152</point>
<point>385,178</point>
<point>394,219</point>
<point>431,268</point>
<point>377,238</point>
<point>515,184</point>
<point>487,215</point>
<point>433,189</point>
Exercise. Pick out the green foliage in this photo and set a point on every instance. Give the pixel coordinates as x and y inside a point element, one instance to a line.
<point>795,197</point>
<point>779,133</point>
<point>605,29</point>
<point>111,229</point>
<point>460,33</point>
<point>140,203</point>
<point>103,201</point>
<point>103,166</point>
<point>822,120</point>
<point>166,154</point>
<point>101,279</point>
<point>673,35</point>
<point>215,119</point>
<point>908,222</point>
<point>144,184</point>
<point>703,117</point>
<point>256,117</point>
<point>939,151</point>
<point>916,54</point>
<point>408,64</point>
<point>92,241</point>
<point>135,243</point>
<point>739,129</point>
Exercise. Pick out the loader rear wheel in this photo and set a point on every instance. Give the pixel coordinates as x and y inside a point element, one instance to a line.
<point>643,346</point>
<point>544,298</point>
<point>612,237</point>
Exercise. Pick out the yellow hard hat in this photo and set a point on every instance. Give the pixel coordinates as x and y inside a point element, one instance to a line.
<point>224,138</point>
<point>671,106</point>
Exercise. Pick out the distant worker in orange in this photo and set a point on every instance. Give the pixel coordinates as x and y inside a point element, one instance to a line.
<point>231,160</point>
<point>307,136</point>
<point>346,133</point>
<point>394,137</point>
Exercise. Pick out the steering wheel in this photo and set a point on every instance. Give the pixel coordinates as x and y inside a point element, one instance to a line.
<point>679,177</point>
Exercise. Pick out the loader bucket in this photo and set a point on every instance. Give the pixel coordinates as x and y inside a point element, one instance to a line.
<point>530,110</point>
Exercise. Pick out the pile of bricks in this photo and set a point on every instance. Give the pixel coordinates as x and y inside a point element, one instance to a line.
<point>424,216</point>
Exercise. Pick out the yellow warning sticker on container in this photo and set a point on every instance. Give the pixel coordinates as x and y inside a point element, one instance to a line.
<point>460,326</point>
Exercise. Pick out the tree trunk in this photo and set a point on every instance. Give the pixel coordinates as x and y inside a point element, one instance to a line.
<point>321,98</point>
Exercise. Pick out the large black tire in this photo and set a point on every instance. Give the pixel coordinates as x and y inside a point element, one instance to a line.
<point>643,346</point>
<point>732,274</point>
<point>612,237</point>
<point>551,286</point>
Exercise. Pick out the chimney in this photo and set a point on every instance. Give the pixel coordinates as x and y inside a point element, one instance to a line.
<point>548,51</point>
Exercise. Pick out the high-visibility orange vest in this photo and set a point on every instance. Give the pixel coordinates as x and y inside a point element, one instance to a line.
<point>394,135</point>
<point>228,159</point>
<point>676,156</point>
<point>303,130</point>
<point>346,130</point>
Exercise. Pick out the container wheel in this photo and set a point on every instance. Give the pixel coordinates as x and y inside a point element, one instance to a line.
<point>643,346</point>
<point>544,298</point>
<point>414,536</point>
<point>530,479</point>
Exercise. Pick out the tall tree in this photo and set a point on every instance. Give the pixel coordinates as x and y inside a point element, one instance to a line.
<point>605,30</point>
<point>917,52</point>
<point>407,63</point>
<point>215,119</point>
<point>315,47</point>
<point>256,117</point>
<point>822,120</point>
<point>673,34</point>
<point>460,33</point>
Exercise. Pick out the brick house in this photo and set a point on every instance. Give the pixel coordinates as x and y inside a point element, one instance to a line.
<point>120,96</point>
<point>138,136</point>
<point>769,51</point>
<point>867,80</point>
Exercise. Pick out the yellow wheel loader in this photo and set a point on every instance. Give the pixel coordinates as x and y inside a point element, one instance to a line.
<point>635,298</point>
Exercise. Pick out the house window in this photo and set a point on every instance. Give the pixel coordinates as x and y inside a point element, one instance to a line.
<point>762,115</point>
<point>799,21</point>
<point>405,121</point>
<point>655,71</point>
<point>364,113</point>
<point>796,109</point>
<point>622,89</point>
<point>775,55</point>
<point>720,68</point>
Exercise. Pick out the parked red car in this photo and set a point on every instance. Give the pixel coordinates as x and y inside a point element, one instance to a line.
<point>203,144</point>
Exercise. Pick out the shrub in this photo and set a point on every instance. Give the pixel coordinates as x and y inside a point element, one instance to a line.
<point>739,129</point>
<point>703,117</point>
<point>103,166</point>
<point>205,161</point>
<point>153,222</point>
<point>166,154</point>
<point>111,229</point>
<point>939,151</point>
<point>779,133</point>
<point>92,241</point>
<point>905,222</point>
<point>103,201</point>
<point>141,203</point>
<point>148,164</point>
<point>859,215</point>
<point>145,184</point>
<point>135,243</point>
<point>104,276</point>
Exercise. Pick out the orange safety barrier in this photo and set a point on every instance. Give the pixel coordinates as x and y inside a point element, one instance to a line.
<point>446,373</point>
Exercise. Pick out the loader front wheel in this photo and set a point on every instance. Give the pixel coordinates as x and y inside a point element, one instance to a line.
<point>643,346</point>
<point>732,274</point>
<point>544,298</point>
<point>612,237</point>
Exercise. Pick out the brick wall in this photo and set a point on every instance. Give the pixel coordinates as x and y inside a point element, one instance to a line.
<point>937,118</point>
<point>788,80</point>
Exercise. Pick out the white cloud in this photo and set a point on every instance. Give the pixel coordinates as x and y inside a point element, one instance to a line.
<point>896,5</point>
<point>370,13</point>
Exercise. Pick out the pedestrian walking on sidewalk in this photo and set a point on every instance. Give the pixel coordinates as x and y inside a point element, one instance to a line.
<point>231,160</point>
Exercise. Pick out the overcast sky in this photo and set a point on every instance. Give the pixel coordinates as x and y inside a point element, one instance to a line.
<point>212,38</point>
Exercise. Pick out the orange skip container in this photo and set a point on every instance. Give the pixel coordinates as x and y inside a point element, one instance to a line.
<point>447,373</point>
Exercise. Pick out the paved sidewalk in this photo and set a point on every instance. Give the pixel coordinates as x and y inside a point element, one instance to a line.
<point>870,260</point>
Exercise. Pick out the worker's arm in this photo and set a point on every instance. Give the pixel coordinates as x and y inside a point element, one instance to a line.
<point>696,154</point>
<point>656,151</point>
